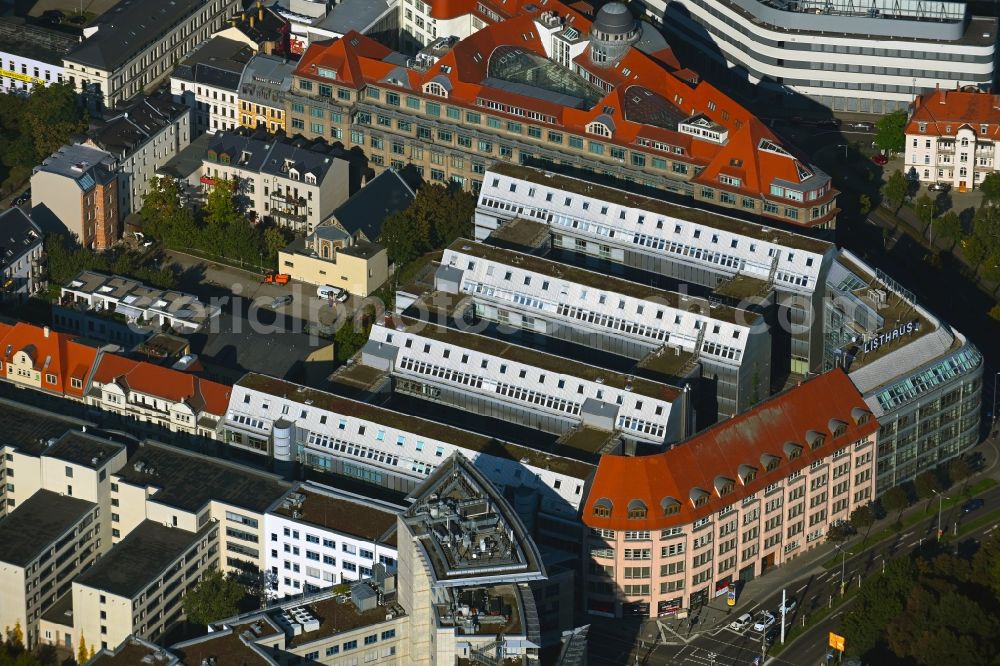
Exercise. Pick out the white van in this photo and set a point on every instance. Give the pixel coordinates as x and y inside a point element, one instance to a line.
<point>326,291</point>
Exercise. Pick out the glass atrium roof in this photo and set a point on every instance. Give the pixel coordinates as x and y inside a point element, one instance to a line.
<point>646,107</point>
<point>519,71</point>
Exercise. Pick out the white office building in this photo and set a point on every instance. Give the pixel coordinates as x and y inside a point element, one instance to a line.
<point>651,325</point>
<point>870,57</point>
<point>318,537</point>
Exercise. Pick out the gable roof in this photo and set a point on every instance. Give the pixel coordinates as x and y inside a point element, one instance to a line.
<point>943,112</point>
<point>384,195</point>
<point>176,386</point>
<point>52,352</point>
<point>765,433</point>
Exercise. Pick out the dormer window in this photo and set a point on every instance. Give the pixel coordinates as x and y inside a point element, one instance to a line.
<point>729,180</point>
<point>815,439</point>
<point>636,510</point>
<point>327,73</point>
<point>723,485</point>
<point>746,474</point>
<point>860,416</point>
<point>837,427</point>
<point>598,128</point>
<point>922,127</point>
<point>670,506</point>
<point>699,497</point>
<point>792,450</point>
<point>435,88</point>
<point>770,462</point>
<point>602,508</point>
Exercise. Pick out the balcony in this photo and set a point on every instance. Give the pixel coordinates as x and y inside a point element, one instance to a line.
<point>288,216</point>
<point>288,199</point>
<point>946,148</point>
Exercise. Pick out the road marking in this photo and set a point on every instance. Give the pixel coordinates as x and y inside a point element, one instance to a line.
<point>905,534</point>
<point>910,545</point>
<point>801,588</point>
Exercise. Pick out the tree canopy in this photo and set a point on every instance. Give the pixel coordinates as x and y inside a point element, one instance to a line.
<point>930,610</point>
<point>895,189</point>
<point>214,598</point>
<point>66,259</point>
<point>890,131</point>
<point>437,216</point>
<point>34,126</point>
<point>990,188</point>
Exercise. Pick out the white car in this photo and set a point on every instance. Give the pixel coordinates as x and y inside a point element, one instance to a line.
<point>741,623</point>
<point>764,621</point>
<point>788,607</point>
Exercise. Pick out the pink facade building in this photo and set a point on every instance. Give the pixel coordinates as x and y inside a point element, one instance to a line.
<point>672,530</point>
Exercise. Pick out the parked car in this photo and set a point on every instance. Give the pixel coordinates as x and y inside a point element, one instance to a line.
<point>788,608</point>
<point>973,504</point>
<point>741,623</point>
<point>764,621</point>
<point>277,278</point>
<point>343,296</point>
<point>880,159</point>
<point>939,187</point>
<point>864,126</point>
<point>326,291</point>
<point>828,122</point>
<point>280,301</point>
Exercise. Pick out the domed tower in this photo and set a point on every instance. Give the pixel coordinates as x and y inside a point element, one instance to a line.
<point>612,33</point>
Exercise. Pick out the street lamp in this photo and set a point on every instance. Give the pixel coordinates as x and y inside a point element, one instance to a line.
<point>994,419</point>
<point>941,499</point>
<point>843,563</point>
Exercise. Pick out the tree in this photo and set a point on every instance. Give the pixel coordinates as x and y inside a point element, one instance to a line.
<point>958,470</point>
<point>275,241</point>
<point>214,598</point>
<point>924,208</point>
<point>863,517</point>
<point>895,189</point>
<point>864,204</point>
<point>895,499</point>
<point>402,244</point>
<point>839,532</point>
<point>990,188</point>
<point>437,216</point>
<point>17,635</point>
<point>81,652</point>
<point>927,484</point>
<point>52,114</point>
<point>948,226</point>
<point>220,205</point>
<point>890,131</point>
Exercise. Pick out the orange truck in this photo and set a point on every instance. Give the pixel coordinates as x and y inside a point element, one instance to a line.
<point>277,278</point>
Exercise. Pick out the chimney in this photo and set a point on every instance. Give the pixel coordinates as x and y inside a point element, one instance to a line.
<point>260,10</point>
<point>252,18</point>
<point>944,97</point>
<point>45,331</point>
<point>916,102</point>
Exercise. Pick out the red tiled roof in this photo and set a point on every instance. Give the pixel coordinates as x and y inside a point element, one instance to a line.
<point>944,109</point>
<point>167,383</point>
<point>746,439</point>
<point>359,60</point>
<point>52,353</point>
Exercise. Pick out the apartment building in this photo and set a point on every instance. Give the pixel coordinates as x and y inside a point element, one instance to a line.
<point>171,486</point>
<point>320,537</point>
<point>145,393</point>
<point>741,263</point>
<point>265,81</point>
<point>870,58</point>
<point>31,54</point>
<point>136,45</point>
<point>208,81</point>
<point>138,586</point>
<point>673,530</point>
<point>44,543</point>
<point>76,188</point>
<point>143,138</point>
<point>664,331</point>
<point>548,86</point>
<point>42,359</point>
<point>21,246</point>
<point>91,293</point>
<point>297,185</point>
<point>921,378</point>
<point>320,430</point>
<point>495,378</point>
<point>261,28</point>
<point>953,137</point>
<point>134,650</point>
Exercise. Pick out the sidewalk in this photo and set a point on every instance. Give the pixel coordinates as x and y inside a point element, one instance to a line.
<point>717,613</point>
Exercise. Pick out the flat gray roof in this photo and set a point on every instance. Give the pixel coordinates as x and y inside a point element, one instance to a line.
<point>82,449</point>
<point>140,557</point>
<point>28,429</point>
<point>37,523</point>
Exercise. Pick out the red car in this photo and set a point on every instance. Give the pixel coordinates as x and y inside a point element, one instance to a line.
<point>880,159</point>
